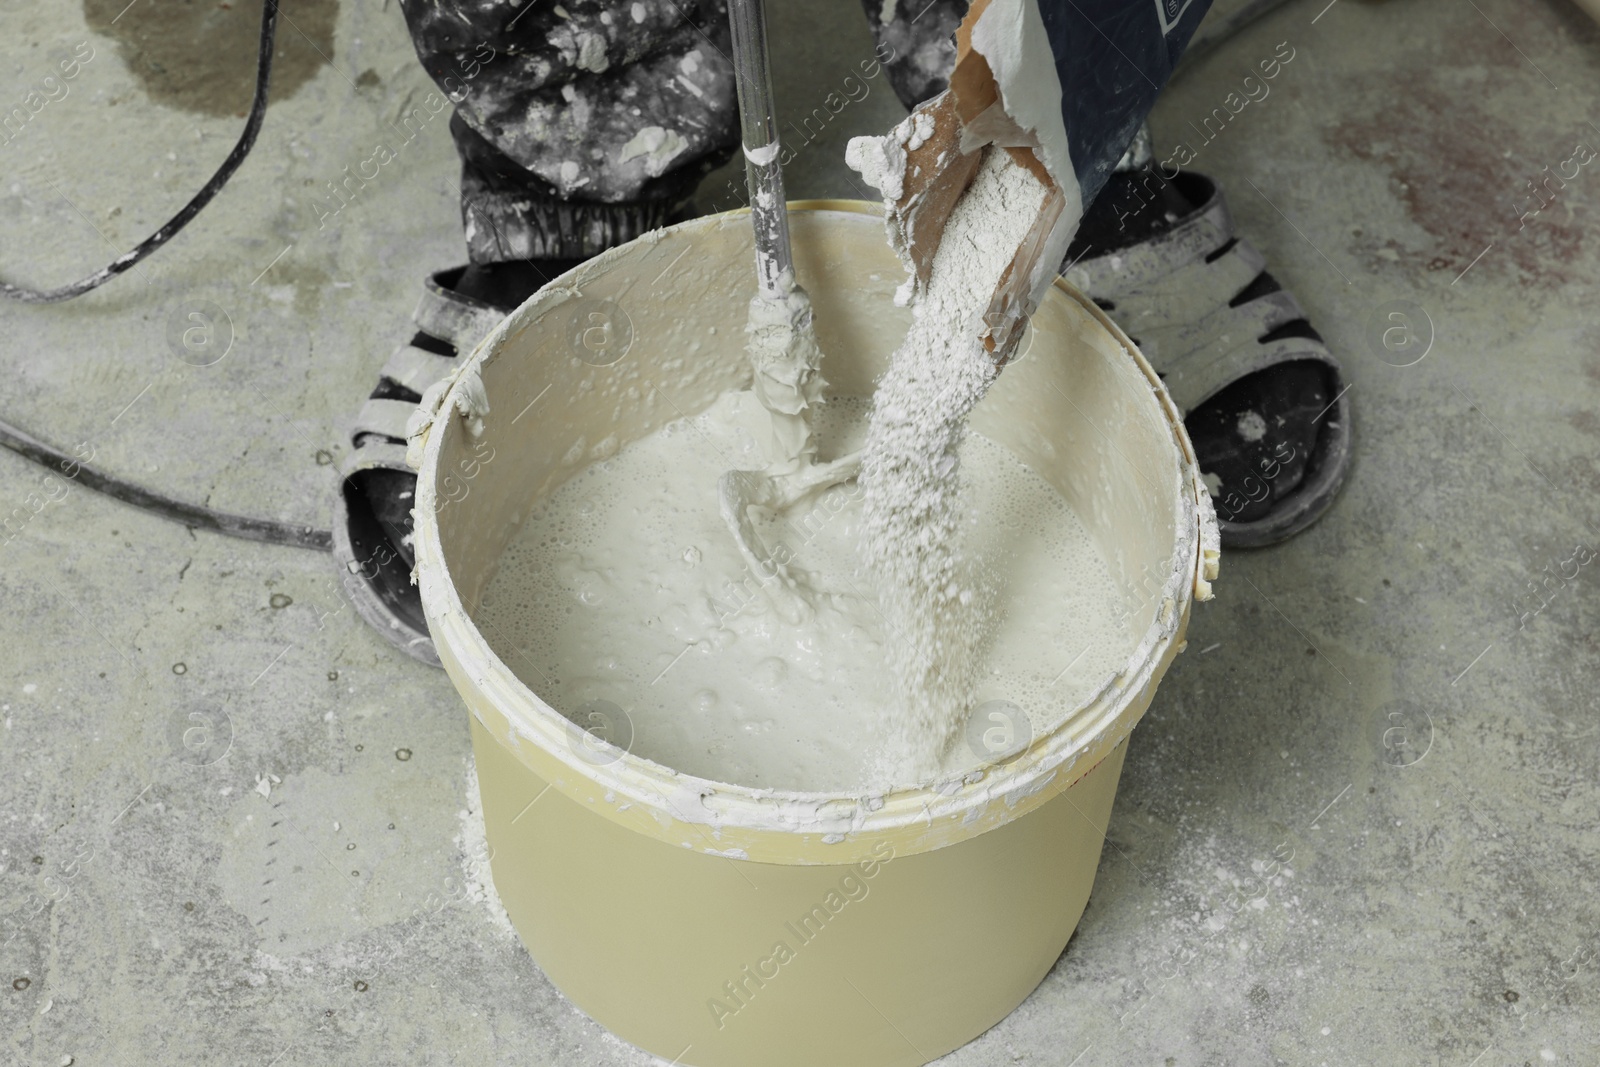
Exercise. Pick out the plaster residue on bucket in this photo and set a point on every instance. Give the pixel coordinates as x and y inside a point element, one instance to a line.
<point>623,601</point>
<point>476,877</point>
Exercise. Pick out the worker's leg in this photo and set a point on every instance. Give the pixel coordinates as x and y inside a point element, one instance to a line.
<point>1268,431</point>
<point>919,38</point>
<point>580,125</point>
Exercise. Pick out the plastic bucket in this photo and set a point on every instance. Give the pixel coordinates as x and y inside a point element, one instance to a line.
<point>723,926</point>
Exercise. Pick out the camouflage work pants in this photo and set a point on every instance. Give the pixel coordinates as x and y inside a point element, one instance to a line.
<point>584,124</point>
<point>589,122</point>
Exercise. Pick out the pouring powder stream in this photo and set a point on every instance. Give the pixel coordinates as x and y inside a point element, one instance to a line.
<point>930,600</point>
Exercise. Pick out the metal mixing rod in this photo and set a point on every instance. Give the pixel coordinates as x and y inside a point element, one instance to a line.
<point>769,211</point>
<point>781,336</point>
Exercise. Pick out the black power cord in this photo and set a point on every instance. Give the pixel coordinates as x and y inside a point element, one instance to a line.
<point>247,140</point>
<point>191,515</point>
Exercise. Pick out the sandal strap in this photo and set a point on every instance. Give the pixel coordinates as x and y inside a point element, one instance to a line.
<point>1170,339</point>
<point>417,368</point>
<point>1174,294</point>
<point>446,314</point>
<point>1185,298</point>
<point>1205,230</point>
<point>386,418</point>
<point>440,313</point>
<point>1204,372</point>
<point>1223,328</point>
<point>375,454</point>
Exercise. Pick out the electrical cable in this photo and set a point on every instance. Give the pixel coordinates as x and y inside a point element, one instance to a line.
<point>247,140</point>
<point>269,531</point>
<point>192,515</point>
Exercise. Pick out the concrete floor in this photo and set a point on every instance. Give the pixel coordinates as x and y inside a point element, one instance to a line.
<point>1430,903</point>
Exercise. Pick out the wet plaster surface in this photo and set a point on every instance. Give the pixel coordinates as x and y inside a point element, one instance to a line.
<point>1357,826</point>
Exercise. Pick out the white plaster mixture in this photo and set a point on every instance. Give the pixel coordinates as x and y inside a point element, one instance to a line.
<point>624,591</point>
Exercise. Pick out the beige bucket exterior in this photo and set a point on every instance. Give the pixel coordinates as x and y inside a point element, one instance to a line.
<point>722,926</point>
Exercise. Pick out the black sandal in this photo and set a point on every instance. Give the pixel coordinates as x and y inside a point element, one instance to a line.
<point>1263,399</point>
<point>372,511</point>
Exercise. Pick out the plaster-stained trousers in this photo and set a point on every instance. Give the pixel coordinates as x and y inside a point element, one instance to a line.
<point>586,123</point>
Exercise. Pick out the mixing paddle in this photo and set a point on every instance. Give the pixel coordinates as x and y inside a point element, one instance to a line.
<point>782,343</point>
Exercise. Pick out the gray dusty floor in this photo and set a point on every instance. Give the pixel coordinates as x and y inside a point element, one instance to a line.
<point>1439,901</point>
